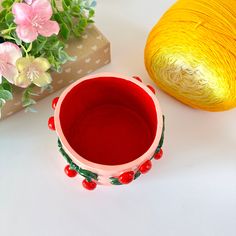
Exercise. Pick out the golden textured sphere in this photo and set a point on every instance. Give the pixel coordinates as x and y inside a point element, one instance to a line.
<point>191,53</point>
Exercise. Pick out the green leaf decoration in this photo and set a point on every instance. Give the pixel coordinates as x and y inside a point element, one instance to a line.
<point>137,174</point>
<point>66,157</point>
<point>115,181</point>
<point>162,137</point>
<point>88,175</point>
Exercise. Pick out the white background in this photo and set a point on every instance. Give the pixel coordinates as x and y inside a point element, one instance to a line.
<point>191,191</point>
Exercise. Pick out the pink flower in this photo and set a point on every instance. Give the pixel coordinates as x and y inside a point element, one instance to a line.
<point>9,53</point>
<point>33,20</point>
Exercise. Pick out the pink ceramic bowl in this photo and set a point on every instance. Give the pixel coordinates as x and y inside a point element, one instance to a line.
<point>109,129</point>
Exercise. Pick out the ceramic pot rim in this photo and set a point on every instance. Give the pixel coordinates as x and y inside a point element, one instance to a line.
<point>109,169</point>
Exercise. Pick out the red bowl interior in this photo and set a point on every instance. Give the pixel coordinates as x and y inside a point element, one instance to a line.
<point>108,121</point>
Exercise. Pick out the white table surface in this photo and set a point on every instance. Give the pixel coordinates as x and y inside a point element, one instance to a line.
<point>191,191</point>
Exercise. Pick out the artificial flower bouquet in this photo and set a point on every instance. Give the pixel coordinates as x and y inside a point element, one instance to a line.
<point>33,35</point>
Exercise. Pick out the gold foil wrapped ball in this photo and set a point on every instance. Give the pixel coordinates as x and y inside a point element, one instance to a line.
<point>191,53</point>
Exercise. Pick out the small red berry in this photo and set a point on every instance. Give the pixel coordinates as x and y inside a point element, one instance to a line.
<point>158,155</point>
<point>145,167</point>
<point>89,185</point>
<point>152,89</point>
<point>51,123</point>
<point>126,177</point>
<point>137,78</point>
<point>69,172</point>
<point>54,102</point>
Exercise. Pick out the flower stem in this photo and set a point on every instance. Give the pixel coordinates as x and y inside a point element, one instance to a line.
<point>25,50</point>
<point>7,37</point>
<point>54,6</point>
<point>6,31</point>
<point>29,48</point>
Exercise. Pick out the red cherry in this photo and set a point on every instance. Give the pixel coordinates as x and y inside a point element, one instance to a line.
<point>145,167</point>
<point>69,172</point>
<point>89,185</point>
<point>126,177</point>
<point>51,123</point>
<point>54,102</point>
<point>137,78</point>
<point>158,155</point>
<point>152,89</point>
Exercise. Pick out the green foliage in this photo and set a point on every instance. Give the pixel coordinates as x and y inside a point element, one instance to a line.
<point>88,175</point>
<point>7,3</point>
<point>73,18</point>
<point>27,101</point>
<point>5,92</point>
<point>52,49</point>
